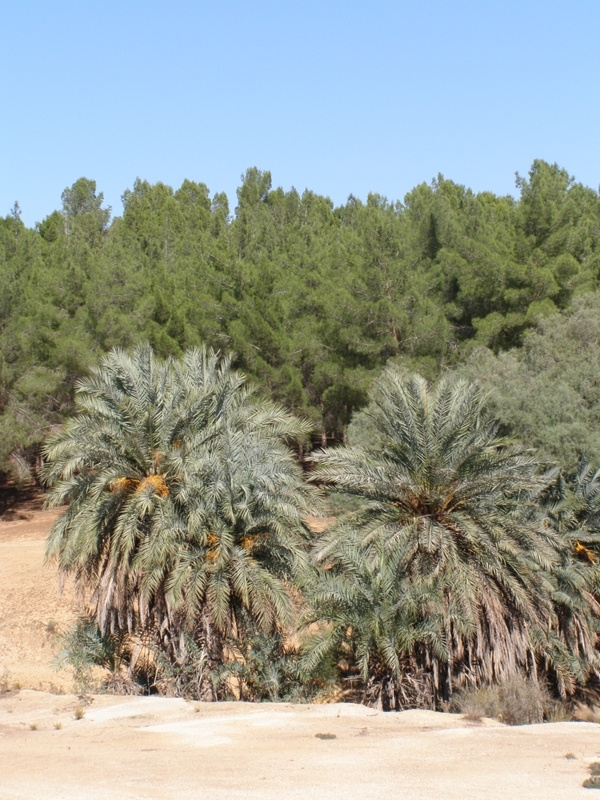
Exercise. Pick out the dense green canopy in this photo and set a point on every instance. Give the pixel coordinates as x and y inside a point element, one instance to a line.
<point>187,512</point>
<point>313,300</point>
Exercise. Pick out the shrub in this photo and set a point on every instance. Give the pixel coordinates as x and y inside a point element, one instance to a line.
<point>85,648</point>
<point>516,701</point>
<point>593,782</point>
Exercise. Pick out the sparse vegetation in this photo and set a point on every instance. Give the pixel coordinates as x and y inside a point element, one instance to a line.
<point>587,713</point>
<point>5,683</point>
<point>85,648</point>
<point>593,782</point>
<point>516,701</point>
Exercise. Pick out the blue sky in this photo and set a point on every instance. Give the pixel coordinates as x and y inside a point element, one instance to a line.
<point>338,97</point>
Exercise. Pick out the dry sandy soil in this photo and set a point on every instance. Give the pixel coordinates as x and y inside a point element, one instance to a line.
<point>168,749</point>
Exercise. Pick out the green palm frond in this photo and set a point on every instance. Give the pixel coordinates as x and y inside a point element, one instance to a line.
<point>185,505</point>
<point>446,569</point>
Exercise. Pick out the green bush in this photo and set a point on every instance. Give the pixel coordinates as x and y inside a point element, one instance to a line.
<point>85,648</point>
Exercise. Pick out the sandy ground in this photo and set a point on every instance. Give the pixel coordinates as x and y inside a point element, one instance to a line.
<point>168,749</point>
<point>33,612</point>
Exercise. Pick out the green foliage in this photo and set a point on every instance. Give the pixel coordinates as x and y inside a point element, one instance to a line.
<point>548,392</point>
<point>185,507</point>
<point>256,668</point>
<point>85,647</point>
<point>264,670</point>
<point>314,300</point>
<point>185,520</point>
<point>445,575</point>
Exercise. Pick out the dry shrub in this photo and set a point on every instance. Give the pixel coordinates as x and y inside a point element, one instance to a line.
<point>476,703</point>
<point>121,683</point>
<point>583,713</point>
<point>516,701</point>
<point>5,683</point>
<point>593,782</point>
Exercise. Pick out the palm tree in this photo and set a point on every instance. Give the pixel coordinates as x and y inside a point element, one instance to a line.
<point>185,507</point>
<point>444,576</point>
<point>571,504</point>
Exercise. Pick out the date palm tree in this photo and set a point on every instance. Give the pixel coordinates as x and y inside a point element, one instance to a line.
<point>571,504</point>
<point>445,575</point>
<point>185,508</point>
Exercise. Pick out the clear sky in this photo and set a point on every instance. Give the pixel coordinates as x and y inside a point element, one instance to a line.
<point>338,96</point>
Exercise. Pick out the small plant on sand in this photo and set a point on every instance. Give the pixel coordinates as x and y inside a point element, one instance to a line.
<point>33,726</point>
<point>5,683</point>
<point>593,782</point>
<point>79,712</point>
<point>57,726</point>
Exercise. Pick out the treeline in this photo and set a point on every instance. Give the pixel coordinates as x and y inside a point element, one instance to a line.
<point>314,300</point>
